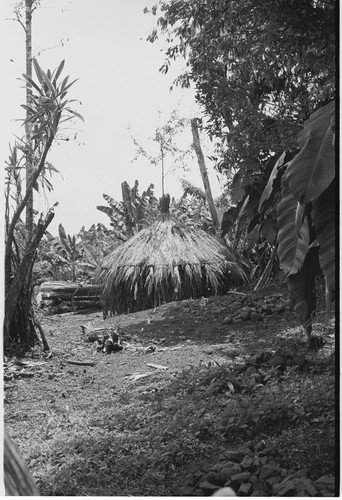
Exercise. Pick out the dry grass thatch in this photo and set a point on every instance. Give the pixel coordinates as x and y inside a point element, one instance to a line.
<point>164,262</point>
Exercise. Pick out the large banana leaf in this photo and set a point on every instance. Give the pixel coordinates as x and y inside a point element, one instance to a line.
<point>293,242</point>
<point>313,168</point>
<point>243,180</point>
<point>117,207</point>
<point>323,214</point>
<point>271,185</point>
<point>107,210</point>
<point>64,238</point>
<point>229,217</point>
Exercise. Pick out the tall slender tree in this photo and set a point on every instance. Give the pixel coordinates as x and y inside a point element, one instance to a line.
<point>23,12</point>
<point>165,138</point>
<point>29,152</point>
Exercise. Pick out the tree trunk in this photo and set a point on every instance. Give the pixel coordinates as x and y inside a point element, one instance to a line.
<point>162,154</point>
<point>29,155</point>
<point>204,174</point>
<point>18,295</point>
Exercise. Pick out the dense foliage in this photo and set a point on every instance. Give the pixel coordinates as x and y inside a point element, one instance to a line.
<point>72,258</point>
<point>259,69</point>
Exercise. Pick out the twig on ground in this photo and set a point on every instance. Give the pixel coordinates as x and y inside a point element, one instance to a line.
<point>82,363</point>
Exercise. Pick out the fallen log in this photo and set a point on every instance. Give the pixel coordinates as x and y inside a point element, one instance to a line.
<point>78,304</point>
<point>63,286</point>
<point>69,296</point>
<point>85,303</point>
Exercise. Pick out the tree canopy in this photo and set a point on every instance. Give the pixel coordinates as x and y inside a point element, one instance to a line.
<point>260,68</point>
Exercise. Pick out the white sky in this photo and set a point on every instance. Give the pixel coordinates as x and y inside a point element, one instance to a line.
<point>104,45</point>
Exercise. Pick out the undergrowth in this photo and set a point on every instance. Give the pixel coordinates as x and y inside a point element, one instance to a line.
<point>142,447</point>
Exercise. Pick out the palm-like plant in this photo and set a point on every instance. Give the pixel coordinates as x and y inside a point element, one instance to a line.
<point>47,108</point>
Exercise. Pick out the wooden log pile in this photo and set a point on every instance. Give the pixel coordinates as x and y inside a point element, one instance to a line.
<point>72,295</point>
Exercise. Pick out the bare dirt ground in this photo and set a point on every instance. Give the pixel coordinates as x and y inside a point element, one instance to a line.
<point>135,422</point>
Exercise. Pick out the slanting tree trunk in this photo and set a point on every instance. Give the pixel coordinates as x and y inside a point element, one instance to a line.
<point>17,478</point>
<point>204,174</point>
<point>19,316</point>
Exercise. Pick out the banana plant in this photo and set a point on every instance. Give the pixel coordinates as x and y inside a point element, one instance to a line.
<point>306,213</point>
<point>131,214</point>
<point>70,252</point>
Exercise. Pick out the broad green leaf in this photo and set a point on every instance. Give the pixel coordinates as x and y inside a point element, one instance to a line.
<point>48,83</point>
<point>313,168</point>
<point>268,191</point>
<point>107,210</point>
<point>127,198</point>
<point>62,259</point>
<point>268,231</point>
<point>323,214</point>
<point>27,78</point>
<point>250,205</point>
<point>66,87</point>
<point>58,72</point>
<point>292,244</point>
<point>63,84</point>
<point>50,167</point>
<point>88,255</point>
<point>114,205</point>
<point>63,238</point>
<point>38,70</point>
<point>28,108</point>
<point>33,118</point>
<point>242,180</point>
<point>74,113</point>
<point>37,133</point>
<point>228,219</point>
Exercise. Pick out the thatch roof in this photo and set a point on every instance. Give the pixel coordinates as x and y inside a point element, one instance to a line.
<point>166,261</point>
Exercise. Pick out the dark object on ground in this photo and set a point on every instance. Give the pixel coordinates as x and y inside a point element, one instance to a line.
<point>107,339</point>
<point>81,363</point>
<point>18,481</point>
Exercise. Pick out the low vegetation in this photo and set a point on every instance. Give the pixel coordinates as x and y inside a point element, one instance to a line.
<point>99,430</point>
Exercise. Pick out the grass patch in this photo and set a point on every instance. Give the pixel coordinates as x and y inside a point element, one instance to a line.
<point>143,447</point>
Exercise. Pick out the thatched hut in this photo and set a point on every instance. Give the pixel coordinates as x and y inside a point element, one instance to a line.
<point>165,262</point>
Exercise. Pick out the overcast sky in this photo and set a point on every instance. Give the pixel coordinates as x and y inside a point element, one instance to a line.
<point>104,45</point>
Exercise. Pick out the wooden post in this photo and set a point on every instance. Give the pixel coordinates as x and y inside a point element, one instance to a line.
<point>204,174</point>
